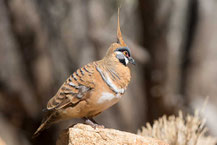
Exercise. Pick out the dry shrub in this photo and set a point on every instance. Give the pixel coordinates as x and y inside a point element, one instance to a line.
<point>189,130</point>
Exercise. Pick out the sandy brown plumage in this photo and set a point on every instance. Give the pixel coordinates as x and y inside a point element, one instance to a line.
<point>91,89</point>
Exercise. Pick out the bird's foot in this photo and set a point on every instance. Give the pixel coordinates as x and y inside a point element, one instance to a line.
<point>92,123</point>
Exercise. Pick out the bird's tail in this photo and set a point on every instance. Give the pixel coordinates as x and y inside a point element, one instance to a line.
<point>46,123</point>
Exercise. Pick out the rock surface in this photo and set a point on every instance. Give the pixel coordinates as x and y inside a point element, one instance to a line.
<point>82,134</point>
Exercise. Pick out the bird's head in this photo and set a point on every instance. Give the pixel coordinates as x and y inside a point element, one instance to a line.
<point>119,51</point>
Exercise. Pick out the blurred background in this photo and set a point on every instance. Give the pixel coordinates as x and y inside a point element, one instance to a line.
<point>42,42</point>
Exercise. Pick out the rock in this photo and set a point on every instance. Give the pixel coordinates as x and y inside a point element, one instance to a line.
<point>82,134</point>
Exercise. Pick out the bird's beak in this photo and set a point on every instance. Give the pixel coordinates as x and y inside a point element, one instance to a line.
<point>131,60</point>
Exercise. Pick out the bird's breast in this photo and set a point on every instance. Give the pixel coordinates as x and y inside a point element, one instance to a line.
<point>101,100</point>
<point>108,97</point>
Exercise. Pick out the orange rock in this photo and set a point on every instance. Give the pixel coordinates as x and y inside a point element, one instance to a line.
<point>82,134</point>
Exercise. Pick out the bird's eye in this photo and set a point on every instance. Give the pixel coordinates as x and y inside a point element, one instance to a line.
<point>126,53</point>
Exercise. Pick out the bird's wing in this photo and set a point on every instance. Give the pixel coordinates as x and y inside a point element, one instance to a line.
<point>74,88</point>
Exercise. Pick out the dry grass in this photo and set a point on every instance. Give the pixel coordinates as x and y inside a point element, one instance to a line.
<point>189,130</point>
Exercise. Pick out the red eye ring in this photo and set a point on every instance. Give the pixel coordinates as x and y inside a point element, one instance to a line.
<point>126,53</point>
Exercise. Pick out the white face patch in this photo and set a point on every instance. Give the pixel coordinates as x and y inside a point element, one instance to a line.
<point>126,60</point>
<point>121,56</point>
<point>119,53</point>
<point>106,97</point>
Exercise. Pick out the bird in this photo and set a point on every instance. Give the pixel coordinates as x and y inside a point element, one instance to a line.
<point>92,88</point>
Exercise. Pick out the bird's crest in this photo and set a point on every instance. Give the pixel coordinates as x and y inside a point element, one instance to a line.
<point>119,35</point>
<point>120,41</point>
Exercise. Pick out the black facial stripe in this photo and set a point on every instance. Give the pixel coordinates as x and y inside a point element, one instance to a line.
<point>124,49</point>
<point>123,61</point>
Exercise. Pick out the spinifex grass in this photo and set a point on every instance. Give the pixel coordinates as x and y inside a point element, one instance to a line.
<point>188,130</point>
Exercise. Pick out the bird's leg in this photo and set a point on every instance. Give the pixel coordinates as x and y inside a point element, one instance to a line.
<point>92,122</point>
